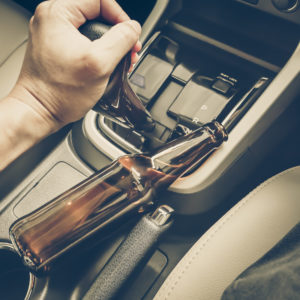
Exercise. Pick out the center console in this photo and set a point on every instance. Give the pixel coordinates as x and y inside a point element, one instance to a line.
<point>184,87</point>
<point>197,68</point>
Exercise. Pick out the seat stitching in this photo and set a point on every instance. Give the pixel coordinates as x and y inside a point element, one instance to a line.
<point>240,205</point>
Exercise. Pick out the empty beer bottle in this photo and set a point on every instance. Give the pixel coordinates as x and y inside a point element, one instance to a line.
<point>122,188</point>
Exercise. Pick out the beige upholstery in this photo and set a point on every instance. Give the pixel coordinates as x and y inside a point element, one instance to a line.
<point>13,36</point>
<point>237,240</point>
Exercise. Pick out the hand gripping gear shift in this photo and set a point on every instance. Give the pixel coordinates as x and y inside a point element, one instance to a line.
<point>119,102</point>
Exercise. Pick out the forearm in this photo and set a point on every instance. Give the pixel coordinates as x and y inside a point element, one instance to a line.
<point>21,127</point>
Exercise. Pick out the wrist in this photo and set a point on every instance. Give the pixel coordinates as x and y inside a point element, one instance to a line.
<point>21,128</point>
<point>29,103</point>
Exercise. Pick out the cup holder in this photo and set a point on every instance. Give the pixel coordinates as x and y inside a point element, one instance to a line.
<point>16,282</point>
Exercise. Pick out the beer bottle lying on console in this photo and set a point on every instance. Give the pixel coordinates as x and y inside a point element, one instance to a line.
<point>120,189</point>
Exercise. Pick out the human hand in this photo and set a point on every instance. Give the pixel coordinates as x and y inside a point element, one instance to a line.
<point>64,73</point>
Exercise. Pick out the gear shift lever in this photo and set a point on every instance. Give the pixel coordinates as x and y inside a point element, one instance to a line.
<point>119,102</point>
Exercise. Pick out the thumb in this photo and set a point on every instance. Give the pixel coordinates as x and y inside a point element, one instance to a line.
<point>117,42</point>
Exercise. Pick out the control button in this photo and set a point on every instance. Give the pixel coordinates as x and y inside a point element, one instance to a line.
<point>163,102</point>
<point>221,86</point>
<point>209,109</point>
<point>182,73</point>
<point>150,76</point>
<point>197,104</point>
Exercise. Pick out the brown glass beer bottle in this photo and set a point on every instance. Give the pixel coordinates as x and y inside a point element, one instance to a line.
<point>120,189</point>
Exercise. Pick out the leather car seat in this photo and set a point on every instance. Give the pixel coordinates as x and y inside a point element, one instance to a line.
<point>13,39</point>
<point>242,236</point>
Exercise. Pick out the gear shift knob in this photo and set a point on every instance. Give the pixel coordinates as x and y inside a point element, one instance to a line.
<point>119,102</point>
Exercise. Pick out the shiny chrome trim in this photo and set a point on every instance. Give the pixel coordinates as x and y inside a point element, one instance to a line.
<point>119,140</point>
<point>291,9</point>
<point>241,107</point>
<point>161,215</point>
<point>32,278</point>
<point>146,48</point>
<point>96,137</point>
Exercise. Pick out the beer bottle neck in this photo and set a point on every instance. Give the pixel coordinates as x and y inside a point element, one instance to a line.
<point>180,155</point>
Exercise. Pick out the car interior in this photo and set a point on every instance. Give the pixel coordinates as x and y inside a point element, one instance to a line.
<point>235,61</point>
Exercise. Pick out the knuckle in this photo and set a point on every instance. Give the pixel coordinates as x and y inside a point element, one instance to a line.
<point>94,65</point>
<point>40,10</point>
<point>31,22</point>
<point>127,31</point>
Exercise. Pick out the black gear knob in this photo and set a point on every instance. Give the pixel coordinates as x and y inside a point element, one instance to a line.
<point>119,102</point>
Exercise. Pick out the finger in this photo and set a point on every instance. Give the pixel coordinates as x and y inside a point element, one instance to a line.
<point>77,12</point>
<point>111,11</point>
<point>137,47</point>
<point>116,43</point>
<point>134,58</point>
<point>130,69</point>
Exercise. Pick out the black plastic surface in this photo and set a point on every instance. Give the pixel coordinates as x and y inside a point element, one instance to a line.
<point>197,104</point>
<point>150,76</point>
<point>183,73</point>
<point>286,9</point>
<point>221,86</point>
<point>94,30</point>
<point>251,1</point>
<point>163,102</point>
<point>132,252</point>
<point>145,279</point>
